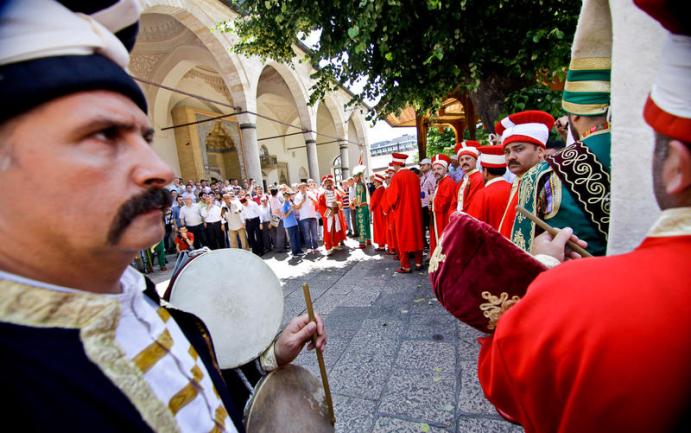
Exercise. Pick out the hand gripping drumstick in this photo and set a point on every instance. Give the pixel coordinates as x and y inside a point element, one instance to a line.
<point>551,230</point>
<point>320,356</point>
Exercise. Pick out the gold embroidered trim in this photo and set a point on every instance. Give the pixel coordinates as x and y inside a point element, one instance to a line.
<point>496,306</point>
<point>154,352</point>
<point>101,348</point>
<point>183,397</point>
<point>587,86</point>
<point>96,316</point>
<point>197,373</point>
<point>437,257</point>
<point>163,314</point>
<point>25,305</point>
<point>220,416</point>
<point>590,63</point>
<point>193,353</point>
<point>556,188</point>
<point>590,173</point>
<point>584,109</point>
<point>672,222</point>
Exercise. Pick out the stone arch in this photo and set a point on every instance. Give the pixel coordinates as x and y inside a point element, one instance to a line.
<point>337,115</point>
<point>297,90</point>
<point>194,17</point>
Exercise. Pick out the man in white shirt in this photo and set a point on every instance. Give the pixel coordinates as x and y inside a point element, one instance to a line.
<point>428,183</point>
<point>232,214</point>
<point>189,193</point>
<point>250,214</point>
<point>211,214</point>
<point>278,231</point>
<point>306,203</point>
<point>192,219</point>
<point>265,221</point>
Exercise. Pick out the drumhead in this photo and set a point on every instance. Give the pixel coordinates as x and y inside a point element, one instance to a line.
<point>238,297</point>
<point>288,400</point>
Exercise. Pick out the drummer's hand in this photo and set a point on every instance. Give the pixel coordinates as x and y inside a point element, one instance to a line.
<point>556,247</point>
<point>293,338</point>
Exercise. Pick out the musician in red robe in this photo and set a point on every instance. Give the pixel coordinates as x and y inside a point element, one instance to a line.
<point>378,217</point>
<point>332,216</point>
<point>403,202</point>
<point>442,198</point>
<point>390,232</point>
<point>490,202</point>
<point>473,181</point>
<point>602,344</point>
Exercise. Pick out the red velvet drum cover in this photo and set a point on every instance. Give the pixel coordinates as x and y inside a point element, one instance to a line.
<point>477,274</point>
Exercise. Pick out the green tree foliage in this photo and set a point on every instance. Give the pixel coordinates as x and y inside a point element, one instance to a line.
<point>440,142</point>
<point>414,52</point>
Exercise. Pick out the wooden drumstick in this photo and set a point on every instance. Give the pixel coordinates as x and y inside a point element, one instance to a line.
<point>551,230</point>
<point>320,355</point>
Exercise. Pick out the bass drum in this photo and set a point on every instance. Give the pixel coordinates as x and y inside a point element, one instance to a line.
<point>288,400</point>
<point>237,296</point>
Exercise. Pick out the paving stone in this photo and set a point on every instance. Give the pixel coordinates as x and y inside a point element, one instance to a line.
<point>468,350</point>
<point>486,425</point>
<point>427,396</point>
<point>335,348</point>
<point>441,327</point>
<point>395,425</point>
<point>377,336</point>
<point>361,375</point>
<point>353,415</point>
<point>471,399</point>
<point>466,332</point>
<point>361,298</point>
<point>427,355</point>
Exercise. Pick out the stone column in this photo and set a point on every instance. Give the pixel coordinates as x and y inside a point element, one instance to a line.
<point>312,159</point>
<point>253,168</point>
<point>345,164</point>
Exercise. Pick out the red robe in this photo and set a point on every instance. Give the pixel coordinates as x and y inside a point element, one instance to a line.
<point>600,344</point>
<point>334,236</point>
<point>378,217</point>
<point>490,202</point>
<point>390,232</point>
<point>467,190</point>
<point>403,198</point>
<point>506,221</point>
<point>443,197</point>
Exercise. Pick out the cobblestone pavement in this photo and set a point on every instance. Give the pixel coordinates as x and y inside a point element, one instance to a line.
<point>397,361</point>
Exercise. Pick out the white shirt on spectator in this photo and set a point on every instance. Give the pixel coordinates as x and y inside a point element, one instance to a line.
<point>233,215</point>
<point>265,213</point>
<point>211,213</point>
<point>190,216</point>
<point>276,204</point>
<point>251,210</point>
<point>187,194</point>
<point>308,209</point>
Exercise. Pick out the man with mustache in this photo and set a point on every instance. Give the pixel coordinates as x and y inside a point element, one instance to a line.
<point>83,334</point>
<point>331,210</point>
<point>524,147</point>
<point>442,198</point>
<point>468,153</point>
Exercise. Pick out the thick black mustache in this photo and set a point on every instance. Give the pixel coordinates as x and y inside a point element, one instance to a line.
<point>151,199</point>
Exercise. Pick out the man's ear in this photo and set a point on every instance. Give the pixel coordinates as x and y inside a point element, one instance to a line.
<point>676,169</point>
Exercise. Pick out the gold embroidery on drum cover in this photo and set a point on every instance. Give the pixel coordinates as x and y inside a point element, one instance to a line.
<point>437,257</point>
<point>496,306</point>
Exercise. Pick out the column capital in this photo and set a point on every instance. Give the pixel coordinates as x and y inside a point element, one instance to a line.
<point>310,141</point>
<point>248,126</point>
